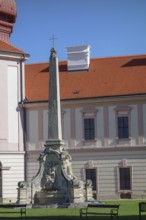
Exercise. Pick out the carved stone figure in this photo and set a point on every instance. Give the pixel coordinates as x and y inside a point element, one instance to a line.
<point>67,166</point>
<point>48,180</point>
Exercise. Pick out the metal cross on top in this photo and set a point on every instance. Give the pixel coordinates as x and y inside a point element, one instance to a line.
<point>53,38</point>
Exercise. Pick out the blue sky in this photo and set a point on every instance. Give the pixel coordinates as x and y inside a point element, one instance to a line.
<point>111,27</point>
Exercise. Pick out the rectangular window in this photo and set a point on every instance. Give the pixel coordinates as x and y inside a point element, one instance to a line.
<point>125,178</point>
<point>123,127</point>
<point>89,129</point>
<point>91,175</point>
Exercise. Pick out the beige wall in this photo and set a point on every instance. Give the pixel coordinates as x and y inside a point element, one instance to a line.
<point>72,124</point>
<point>106,152</point>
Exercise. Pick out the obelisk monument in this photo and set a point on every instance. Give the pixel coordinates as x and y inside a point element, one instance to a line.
<point>55,182</point>
<point>54,114</point>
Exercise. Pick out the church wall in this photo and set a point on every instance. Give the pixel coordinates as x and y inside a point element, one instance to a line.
<point>10,119</point>
<point>12,104</point>
<point>12,172</point>
<point>4,106</point>
<point>11,135</point>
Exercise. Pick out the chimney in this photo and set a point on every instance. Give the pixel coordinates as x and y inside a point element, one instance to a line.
<point>78,58</point>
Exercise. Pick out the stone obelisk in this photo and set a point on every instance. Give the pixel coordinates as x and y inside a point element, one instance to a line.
<point>54,114</point>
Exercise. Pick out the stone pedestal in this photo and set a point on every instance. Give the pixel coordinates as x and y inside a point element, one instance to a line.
<point>22,195</point>
<point>89,193</point>
<point>77,194</point>
<point>54,197</point>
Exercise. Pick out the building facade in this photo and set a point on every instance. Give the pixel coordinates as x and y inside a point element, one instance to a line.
<point>103,121</point>
<point>103,107</point>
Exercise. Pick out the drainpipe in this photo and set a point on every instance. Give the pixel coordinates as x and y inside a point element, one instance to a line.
<point>23,112</point>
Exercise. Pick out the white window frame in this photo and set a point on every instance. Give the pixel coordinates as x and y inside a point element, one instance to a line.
<point>124,164</point>
<point>89,113</point>
<point>123,111</point>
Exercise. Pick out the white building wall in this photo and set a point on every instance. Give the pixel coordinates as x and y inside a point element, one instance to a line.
<point>3,108</point>
<point>10,121</point>
<point>112,126</point>
<point>45,125</point>
<point>106,163</point>
<point>33,129</point>
<point>134,125</point>
<point>100,127</point>
<point>12,104</point>
<point>12,173</point>
<point>11,135</point>
<point>105,158</point>
<point>78,127</point>
<point>67,127</point>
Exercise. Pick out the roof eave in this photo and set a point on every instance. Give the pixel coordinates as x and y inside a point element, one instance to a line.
<point>104,99</point>
<point>14,55</point>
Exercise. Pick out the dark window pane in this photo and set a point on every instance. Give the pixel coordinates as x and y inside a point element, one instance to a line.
<point>89,131</point>
<point>125,183</point>
<point>91,175</point>
<point>123,127</point>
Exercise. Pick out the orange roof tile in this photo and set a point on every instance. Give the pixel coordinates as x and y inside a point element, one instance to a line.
<point>105,77</point>
<point>9,48</point>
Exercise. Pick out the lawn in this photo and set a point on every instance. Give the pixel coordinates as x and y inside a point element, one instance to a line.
<point>128,211</point>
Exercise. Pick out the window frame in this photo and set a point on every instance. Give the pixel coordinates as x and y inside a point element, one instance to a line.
<point>124,164</point>
<point>89,131</point>
<point>89,113</point>
<point>90,165</point>
<point>95,170</point>
<point>123,127</point>
<point>123,111</point>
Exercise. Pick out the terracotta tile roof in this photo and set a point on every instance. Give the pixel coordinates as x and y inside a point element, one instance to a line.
<point>9,48</point>
<point>105,77</point>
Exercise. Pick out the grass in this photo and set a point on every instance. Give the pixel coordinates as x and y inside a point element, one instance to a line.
<point>128,211</point>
